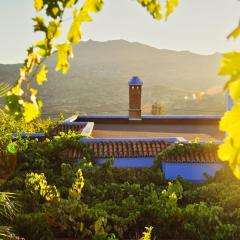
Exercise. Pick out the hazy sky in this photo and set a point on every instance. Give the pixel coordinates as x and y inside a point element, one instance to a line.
<point>199,26</point>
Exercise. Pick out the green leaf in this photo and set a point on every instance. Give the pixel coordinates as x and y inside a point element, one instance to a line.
<point>31,111</point>
<point>53,9</point>
<point>230,64</point>
<point>234,88</point>
<point>44,48</point>
<point>69,3</point>
<point>64,53</point>
<point>38,4</point>
<point>14,106</point>
<point>93,5</point>
<point>74,34</point>
<point>12,148</point>
<point>170,7</point>
<point>53,30</point>
<point>153,7</point>
<point>42,75</point>
<point>39,24</point>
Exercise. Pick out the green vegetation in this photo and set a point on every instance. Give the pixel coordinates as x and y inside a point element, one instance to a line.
<point>60,197</point>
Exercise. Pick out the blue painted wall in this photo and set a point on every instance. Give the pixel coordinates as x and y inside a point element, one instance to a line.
<point>190,171</point>
<point>130,162</point>
<point>194,172</point>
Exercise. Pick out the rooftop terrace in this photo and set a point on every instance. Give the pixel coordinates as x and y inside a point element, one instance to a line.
<point>187,127</point>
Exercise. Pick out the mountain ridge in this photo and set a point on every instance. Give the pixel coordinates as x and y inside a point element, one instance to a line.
<point>98,76</point>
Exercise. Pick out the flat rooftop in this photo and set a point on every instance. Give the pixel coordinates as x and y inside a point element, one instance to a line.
<point>205,133</point>
<point>187,127</point>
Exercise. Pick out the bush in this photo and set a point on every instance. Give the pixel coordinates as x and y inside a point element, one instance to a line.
<point>105,202</point>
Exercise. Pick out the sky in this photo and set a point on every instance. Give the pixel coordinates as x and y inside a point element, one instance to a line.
<point>199,26</point>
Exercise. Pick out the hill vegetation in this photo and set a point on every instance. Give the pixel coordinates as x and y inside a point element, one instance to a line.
<point>100,71</point>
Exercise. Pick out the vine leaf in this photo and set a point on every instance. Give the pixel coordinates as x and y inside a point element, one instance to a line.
<point>42,75</point>
<point>170,7</point>
<point>38,4</point>
<point>31,111</point>
<point>230,64</point>
<point>234,89</point>
<point>74,34</point>
<point>93,5</point>
<point>64,53</point>
<point>153,7</point>
<point>69,3</point>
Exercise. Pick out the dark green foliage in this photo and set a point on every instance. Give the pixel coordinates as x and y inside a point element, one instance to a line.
<point>33,226</point>
<point>116,203</point>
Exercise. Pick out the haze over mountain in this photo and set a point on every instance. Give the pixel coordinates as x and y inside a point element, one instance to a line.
<point>184,82</point>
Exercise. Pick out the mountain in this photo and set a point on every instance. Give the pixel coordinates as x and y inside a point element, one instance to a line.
<point>97,80</point>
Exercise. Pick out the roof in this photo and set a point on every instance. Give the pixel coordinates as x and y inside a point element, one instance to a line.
<point>195,157</point>
<point>135,81</point>
<point>144,149</point>
<point>128,148</point>
<point>123,149</point>
<point>199,154</point>
<point>76,127</point>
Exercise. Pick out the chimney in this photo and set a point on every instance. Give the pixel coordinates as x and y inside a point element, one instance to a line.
<point>135,92</point>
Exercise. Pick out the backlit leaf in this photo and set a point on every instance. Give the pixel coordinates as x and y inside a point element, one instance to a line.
<point>38,4</point>
<point>39,24</point>
<point>44,48</point>
<point>230,151</point>
<point>170,7</point>
<point>42,75</point>
<point>234,88</point>
<point>31,111</point>
<point>53,30</point>
<point>64,53</point>
<point>93,5</point>
<point>69,3</point>
<point>231,121</point>
<point>33,58</point>
<point>153,7</point>
<point>74,34</point>
<point>230,64</point>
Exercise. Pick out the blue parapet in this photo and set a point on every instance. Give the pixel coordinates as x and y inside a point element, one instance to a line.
<point>193,172</point>
<point>135,81</point>
<point>165,139</point>
<point>130,162</point>
<point>29,135</point>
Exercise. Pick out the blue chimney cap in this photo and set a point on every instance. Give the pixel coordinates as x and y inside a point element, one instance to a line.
<point>135,81</point>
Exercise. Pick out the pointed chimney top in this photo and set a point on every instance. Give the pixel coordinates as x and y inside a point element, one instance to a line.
<point>135,81</point>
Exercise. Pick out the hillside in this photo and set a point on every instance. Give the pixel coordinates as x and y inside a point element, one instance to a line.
<point>97,81</point>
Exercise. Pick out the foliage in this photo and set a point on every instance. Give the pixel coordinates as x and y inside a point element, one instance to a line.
<point>183,150</point>
<point>230,122</point>
<point>65,198</point>
<point>147,233</point>
<point>8,210</point>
